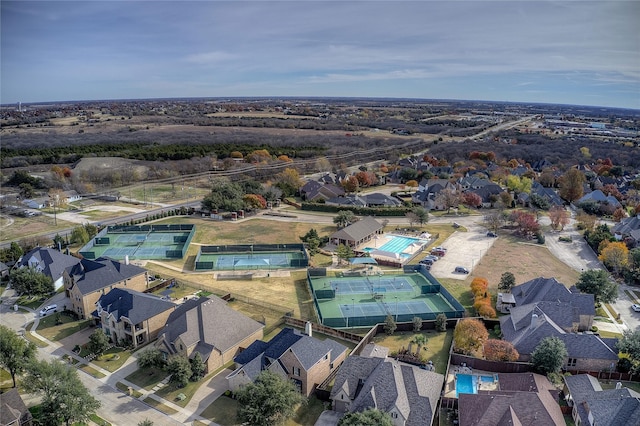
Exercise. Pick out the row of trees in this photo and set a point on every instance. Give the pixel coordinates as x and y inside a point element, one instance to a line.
<point>181,368</point>
<point>64,398</point>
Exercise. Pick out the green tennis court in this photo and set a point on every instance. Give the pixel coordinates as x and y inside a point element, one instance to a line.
<point>140,242</point>
<point>366,301</point>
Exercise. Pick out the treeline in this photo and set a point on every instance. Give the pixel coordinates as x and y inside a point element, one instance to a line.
<point>560,151</point>
<point>23,151</point>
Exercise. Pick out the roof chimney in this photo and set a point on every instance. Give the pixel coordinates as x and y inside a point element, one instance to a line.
<point>308,329</point>
<point>126,259</point>
<point>534,320</point>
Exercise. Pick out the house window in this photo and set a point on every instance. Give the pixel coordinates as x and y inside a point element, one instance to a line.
<point>326,356</point>
<point>296,371</point>
<point>394,415</point>
<point>572,362</point>
<point>331,366</point>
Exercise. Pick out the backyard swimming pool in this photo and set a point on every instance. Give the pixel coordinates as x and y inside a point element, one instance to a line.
<point>468,383</point>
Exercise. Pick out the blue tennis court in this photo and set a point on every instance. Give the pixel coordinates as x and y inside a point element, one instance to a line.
<point>371,285</point>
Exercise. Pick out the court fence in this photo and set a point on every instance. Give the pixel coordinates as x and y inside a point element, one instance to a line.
<point>380,310</point>
<point>104,238</point>
<point>252,249</point>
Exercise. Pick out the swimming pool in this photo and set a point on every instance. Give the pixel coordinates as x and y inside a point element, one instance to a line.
<point>397,244</point>
<point>468,383</point>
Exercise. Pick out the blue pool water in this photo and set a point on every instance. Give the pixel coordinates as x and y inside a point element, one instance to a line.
<point>468,383</point>
<point>396,244</point>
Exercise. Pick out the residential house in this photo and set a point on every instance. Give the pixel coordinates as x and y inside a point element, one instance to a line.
<point>406,392</point>
<point>374,199</point>
<point>488,193</point>
<point>428,191</point>
<point>210,327</point>
<point>36,203</point>
<point>130,317</point>
<point>547,194</point>
<point>594,406</point>
<point>527,325</point>
<point>525,399</point>
<point>357,233</point>
<point>316,190</point>
<point>50,262</point>
<point>551,290</point>
<point>88,280</point>
<point>13,411</point>
<point>71,196</point>
<point>305,360</point>
<point>628,230</point>
<point>608,203</point>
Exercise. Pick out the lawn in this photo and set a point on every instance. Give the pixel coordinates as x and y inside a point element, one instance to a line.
<point>147,378</point>
<point>438,344</point>
<point>112,359</point>
<point>124,388</point>
<point>223,411</point>
<point>525,261</point>
<point>48,328</point>
<point>159,406</point>
<point>23,227</point>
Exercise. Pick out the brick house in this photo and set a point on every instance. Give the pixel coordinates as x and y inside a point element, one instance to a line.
<point>525,399</point>
<point>132,317</point>
<point>303,359</point>
<point>406,392</point>
<point>209,326</point>
<point>88,280</point>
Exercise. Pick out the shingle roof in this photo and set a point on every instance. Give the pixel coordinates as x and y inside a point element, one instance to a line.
<point>526,331</point>
<point>209,321</point>
<point>134,305</point>
<point>51,262</point>
<point>509,408</point>
<point>308,350</point>
<point>387,385</point>
<point>12,407</point>
<point>608,407</point>
<point>549,289</point>
<point>93,275</point>
<point>627,225</point>
<point>359,230</point>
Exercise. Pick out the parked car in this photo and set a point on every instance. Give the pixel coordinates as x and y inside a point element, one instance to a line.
<point>492,234</point>
<point>431,257</point>
<point>461,270</point>
<point>438,252</point>
<point>48,309</point>
<point>635,307</point>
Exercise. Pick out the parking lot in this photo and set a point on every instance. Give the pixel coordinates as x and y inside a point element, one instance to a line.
<point>463,249</point>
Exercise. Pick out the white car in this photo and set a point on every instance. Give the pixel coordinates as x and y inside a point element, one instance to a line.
<point>635,307</point>
<point>48,309</point>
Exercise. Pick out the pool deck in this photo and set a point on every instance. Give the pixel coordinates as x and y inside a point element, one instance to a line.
<point>450,385</point>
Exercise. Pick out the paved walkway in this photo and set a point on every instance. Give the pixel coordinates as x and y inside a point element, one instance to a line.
<point>117,407</point>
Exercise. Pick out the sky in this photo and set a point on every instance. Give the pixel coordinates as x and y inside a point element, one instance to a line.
<point>565,52</point>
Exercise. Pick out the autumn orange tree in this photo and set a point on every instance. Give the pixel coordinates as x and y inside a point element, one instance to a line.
<point>469,336</point>
<point>479,286</point>
<point>500,350</point>
<point>614,255</point>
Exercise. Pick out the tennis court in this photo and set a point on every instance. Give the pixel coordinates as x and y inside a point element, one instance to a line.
<point>366,301</point>
<point>232,258</point>
<point>371,285</point>
<point>140,242</point>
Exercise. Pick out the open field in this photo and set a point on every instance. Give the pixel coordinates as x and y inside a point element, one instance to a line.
<point>31,227</point>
